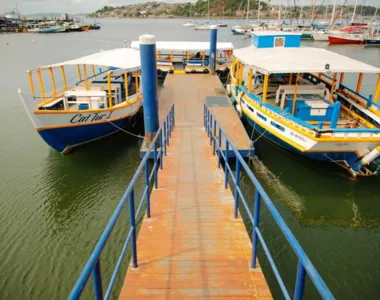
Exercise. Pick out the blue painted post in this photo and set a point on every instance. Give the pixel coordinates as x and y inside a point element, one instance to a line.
<point>208,123</point>
<point>97,276</point>
<point>369,102</point>
<point>225,166</point>
<point>167,128</point>
<point>255,238</point>
<point>212,52</point>
<point>147,199</point>
<point>335,114</point>
<point>213,139</point>
<point>210,127</point>
<point>149,85</point>
<point>204,115</point>
<point>219,146</point>
<point>173,116</point>
<point>300,281</point>
<point>133,225</point>
<point>237,185</point>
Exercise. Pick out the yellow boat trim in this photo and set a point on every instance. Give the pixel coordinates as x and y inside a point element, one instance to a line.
<point>323,138</point>
<point>137,99</point>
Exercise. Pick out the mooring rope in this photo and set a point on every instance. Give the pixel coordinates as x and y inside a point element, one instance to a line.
<point>122,129</point>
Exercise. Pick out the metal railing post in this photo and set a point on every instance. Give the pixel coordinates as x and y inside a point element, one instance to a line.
<point>97,276</point>
<point>213,139</point>
<point>225,166</point>
<point>173,116</point>
<point>208,123</point>
<point>219,146</point>
<point>155,165</point>
<point>147,197</point>
<point>204,115</point>
<point>255,238</point>
<point>161,151</point>
<point>167,130</point>
<point>133,225</point>
<point>210,127</point>
<point>237,185</point>
<point>165,138</point>
<point>300,281</point>
<point>170,125</point>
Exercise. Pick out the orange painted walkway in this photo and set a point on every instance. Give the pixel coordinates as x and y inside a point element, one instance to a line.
<point>192,247</point>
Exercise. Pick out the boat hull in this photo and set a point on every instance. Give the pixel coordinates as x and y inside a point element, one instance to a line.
<point>374,42</point>
<point>344,41</point>
<point>66,130</point>
<point>66,139</point>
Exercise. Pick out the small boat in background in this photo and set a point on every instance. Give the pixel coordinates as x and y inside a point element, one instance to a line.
<point>95,26</point>
<point>220,24</point>
<point>188,24</point>
<point>85,28</point>
<point>103,99</point>
<point>372,41</point>
<point>344,38</point>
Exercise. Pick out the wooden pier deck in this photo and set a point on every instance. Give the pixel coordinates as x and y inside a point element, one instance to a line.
<point>192,247</point>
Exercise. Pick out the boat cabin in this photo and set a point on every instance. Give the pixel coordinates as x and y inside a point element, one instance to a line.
<point>305,84</point>
<point>101,81</point>
<point>190,57</point>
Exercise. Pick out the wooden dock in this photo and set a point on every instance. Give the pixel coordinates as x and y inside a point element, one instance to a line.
<point>192,247</point>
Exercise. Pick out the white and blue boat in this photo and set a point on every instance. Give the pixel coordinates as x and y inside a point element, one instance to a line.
<point>190,57</point>
<point>297,98</point>
<point>104,98</point>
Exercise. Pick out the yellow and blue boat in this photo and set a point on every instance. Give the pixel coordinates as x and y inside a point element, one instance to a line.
<point>102,99</point>
<point>297,98</point>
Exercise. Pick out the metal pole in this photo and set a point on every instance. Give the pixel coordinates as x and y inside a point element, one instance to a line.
<point>213,139</point>
<point>219,146</point>
<point>212,54</point>
<point>155,165</point>
<point>237,185</point>
<point>225,166</point>
<point>147,198</point>
<point>300,281</point>
<point>149,85</point>
<point>161,151</point>
<point>97,276</point>
<point>165,138</point>
<point>167,130</point>
<point>210,128</point>
<point>133,225</point>
<point>255,238</point>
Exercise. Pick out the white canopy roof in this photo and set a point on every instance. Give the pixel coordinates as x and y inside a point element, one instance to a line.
<point>299,60</point>
<point>185,46</point>
<point>123,58</point>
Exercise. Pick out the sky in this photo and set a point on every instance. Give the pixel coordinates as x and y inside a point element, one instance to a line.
<point>87,6</point>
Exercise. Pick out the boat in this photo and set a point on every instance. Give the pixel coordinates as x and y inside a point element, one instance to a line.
<point>205,26</point>
<point>53,29</point>
<point>89,108</point>
<point>85,28</point>
<point>190,57</point>
<point>189,23</point>
<point>220,24</point>
<point>76,27</point>
<point>293,97</point>
<point>344,38</point>
<point>372,41</point>
<point>95,26</point>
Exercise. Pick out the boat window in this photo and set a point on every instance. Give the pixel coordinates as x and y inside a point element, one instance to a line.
<point>242,101</point>
<point>277,126</point>
<point>261,116</point>
<point>250,108</point>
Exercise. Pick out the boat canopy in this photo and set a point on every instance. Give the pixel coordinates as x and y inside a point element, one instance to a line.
<point>185,46</point>
<point>300,60</point>
<point>121,58</point>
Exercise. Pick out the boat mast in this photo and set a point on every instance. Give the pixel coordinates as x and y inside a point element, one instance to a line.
<point>327,8</point>
<point>301,4</point>
<point>313,10</point>
<point>279,13</point>
<point>208,9</point>
<point>246,20</point>
<point>258,12</point>
<point>353,14</point>
<point>333,14</point>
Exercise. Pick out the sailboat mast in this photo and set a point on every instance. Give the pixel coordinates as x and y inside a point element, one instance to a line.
<point>301,3</point>
<point>327,8</point>
<point>313,8</point>
<point>258,12</point>
<point>246,20</point>
<point>279,12</point>
<point>208,9</point>
<point>353,14</point>
<point>333,14</point>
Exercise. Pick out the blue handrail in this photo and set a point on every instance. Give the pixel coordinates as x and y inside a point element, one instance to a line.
<point>215,132</point>
<point>93,264</point>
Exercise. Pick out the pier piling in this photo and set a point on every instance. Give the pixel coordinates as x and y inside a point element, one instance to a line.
<point>212,54</point>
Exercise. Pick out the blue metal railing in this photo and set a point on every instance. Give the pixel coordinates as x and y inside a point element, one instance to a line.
<point>92,266</point>
<point>216,133</point>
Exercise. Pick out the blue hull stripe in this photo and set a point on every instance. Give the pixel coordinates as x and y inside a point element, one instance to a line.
<point>65,138</point>
<point>348,157</point>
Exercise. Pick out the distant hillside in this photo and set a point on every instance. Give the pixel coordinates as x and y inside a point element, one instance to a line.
<point>218,8</point>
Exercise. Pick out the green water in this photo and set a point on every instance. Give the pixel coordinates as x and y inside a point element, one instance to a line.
<point>53,207</point>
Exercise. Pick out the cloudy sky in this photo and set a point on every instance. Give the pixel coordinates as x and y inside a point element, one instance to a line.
<point>86,6</point>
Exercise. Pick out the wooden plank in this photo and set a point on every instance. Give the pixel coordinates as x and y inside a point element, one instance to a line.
<point>192,247</point>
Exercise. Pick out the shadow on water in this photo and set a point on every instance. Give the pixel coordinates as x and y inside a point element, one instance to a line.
<point>335,219</point>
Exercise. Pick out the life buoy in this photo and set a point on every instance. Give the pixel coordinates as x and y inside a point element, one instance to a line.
<point>228,53</point>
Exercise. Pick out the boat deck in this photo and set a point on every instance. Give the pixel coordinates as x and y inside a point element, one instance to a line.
<point>192,247</point>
